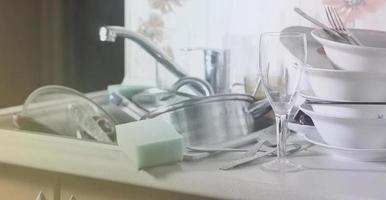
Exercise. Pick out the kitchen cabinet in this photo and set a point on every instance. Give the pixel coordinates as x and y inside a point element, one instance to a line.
<point>81,188</point>
<point>64,163</point>
<point>19,183</point>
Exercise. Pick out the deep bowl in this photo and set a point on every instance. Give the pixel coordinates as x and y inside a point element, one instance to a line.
<point>351,111</point>
<point>345,127</point>
<point>371,57</point>
<point>342,85</point>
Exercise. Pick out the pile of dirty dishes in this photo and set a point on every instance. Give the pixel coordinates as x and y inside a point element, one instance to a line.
<point>346,99</point>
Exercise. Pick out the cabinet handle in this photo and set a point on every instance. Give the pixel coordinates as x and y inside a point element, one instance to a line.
<point>40,196</point>
<point>72,197</point>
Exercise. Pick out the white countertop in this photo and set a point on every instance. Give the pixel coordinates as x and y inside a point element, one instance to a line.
<point>324,177</point>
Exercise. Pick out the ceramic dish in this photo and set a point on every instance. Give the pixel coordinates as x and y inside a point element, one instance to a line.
<point>341,85</point>
<point>349,153</point>
<point>349,129</point>
<point>331,84</point>
<point>310,95</point>
<point>369,57</point>
<point>358,111</point>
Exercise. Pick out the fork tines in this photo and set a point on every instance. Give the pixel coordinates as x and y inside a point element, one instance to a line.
<point>337,24</point>
<point>334,18</point>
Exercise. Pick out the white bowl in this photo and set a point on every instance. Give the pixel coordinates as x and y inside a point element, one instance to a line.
<point>347,129</point>
<point>369,57</point>
<point>342,85</point>
<point>350,111</point>
<point>372,155</point>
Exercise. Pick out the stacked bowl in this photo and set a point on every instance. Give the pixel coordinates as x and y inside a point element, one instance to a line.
<point>347,100</point>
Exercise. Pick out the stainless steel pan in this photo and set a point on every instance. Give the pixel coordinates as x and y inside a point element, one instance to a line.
<point>213,119</point>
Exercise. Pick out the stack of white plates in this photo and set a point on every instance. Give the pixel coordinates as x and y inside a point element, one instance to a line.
<point>349,125</point>
<point>355,73</point>
<point>351,79</point>
<point>312,136</point>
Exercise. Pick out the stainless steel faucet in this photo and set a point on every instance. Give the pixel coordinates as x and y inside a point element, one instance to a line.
<point>110,33</point>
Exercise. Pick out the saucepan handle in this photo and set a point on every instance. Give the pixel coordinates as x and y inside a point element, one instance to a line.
<point>204,86</point>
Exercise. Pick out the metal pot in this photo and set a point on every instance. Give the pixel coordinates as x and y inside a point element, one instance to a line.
<point>213,119</point>
<point>205,120</point>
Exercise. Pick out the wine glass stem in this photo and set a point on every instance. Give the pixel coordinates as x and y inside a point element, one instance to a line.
<point>281,129</point>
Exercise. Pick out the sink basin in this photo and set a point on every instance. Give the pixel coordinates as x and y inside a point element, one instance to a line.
<point>100,98</point>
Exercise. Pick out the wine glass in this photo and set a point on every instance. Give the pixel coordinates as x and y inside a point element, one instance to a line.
<point>281,72</point>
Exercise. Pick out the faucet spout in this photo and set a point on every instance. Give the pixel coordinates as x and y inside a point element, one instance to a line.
<point>110,33</point>
<point>105,34</point>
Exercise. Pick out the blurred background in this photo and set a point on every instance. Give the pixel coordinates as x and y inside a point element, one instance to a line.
<point>56,42</point>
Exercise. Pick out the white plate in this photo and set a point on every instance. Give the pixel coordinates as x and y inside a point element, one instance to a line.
<point>374,155</point>
<point>370,57</point>
<point>342,85</point>
<point>310,95</point>
<point>349,126</point>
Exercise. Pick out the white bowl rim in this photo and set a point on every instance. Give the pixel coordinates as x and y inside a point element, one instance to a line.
<point>358,73</point>
<point>335,43</point>
<point>311,112</point>
<point>340,148</point>
<point>310,94</point>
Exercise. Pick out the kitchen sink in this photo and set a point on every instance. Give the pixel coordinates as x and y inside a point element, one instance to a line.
<point>102,99</point>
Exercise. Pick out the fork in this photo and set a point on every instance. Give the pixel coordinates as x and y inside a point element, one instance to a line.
<point>330,31</point>
<point>336,23</point>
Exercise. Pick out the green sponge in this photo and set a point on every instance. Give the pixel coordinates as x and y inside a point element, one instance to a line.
<point>150,143</point>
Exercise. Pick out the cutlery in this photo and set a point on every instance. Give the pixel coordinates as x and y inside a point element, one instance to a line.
<point>253,151</point>
<point>268,152</point>
<point>327,29</point>
<point>245,160</point>
<point>338,25</point>
<point>248,152</point>
<point>251,138</point>
<point>211,150</point>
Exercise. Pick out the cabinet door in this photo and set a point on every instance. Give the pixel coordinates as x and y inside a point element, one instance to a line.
<point>20,183</point>
<point>78,188</point>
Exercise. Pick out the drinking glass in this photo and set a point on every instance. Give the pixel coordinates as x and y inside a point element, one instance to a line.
<point>281,72</point>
